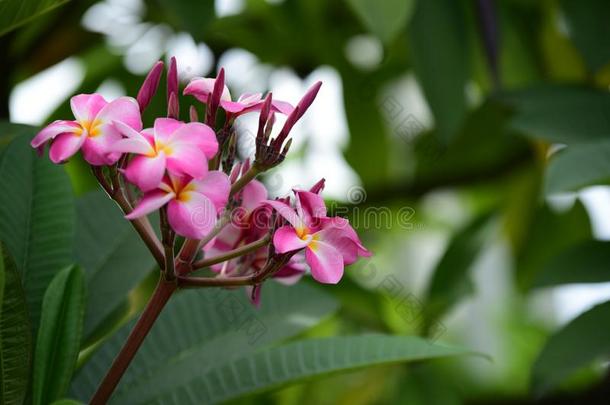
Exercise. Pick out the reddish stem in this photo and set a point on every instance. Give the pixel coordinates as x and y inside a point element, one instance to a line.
<point>161,295</point>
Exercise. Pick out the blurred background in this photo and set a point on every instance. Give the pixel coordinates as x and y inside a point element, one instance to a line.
<point>466,141</point>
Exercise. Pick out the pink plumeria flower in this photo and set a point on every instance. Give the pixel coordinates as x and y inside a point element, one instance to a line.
<point>241,230</point>
<point>192,204</point>
<point>329,243</point>
<point>93,131</point>
<point>201,88</point>
<point>182,149</point>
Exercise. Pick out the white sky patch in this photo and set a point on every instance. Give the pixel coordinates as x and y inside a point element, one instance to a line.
<point>225,8</point>
<point>111,89</point>
<point>147,50</point>
<point>243,71</point>
<point>193,59</point>
<point>32,100</point>
<point>364,51</point>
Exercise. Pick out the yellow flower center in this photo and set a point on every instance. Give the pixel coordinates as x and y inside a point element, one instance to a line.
<point>92,128</point>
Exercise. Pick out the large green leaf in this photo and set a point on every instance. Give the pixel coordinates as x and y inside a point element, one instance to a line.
<point>14,13</point>
<point>202,328</point>
<point>59,336</point>
<point>383,18</point>
<point>578,166</point>
<point>114,258</point>
<point>550,234</point>
<point>439,51</point>
<point>451,281</point>
<point>15,335</point>
<point>298,361</point>
<point>561,114</point>
<point>587,23</point>
<point>586,262</point>
<point>582,341</point>
<point>36,218</point>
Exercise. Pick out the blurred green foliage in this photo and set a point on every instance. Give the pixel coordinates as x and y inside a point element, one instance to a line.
<point>519,103</point>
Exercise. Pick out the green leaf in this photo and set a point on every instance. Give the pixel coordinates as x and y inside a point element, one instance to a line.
<point>9,130</point>
<point>385,19</point>
<point>550,234</point>
<point>15,335</point>
<point>579,343</point>
<point>587,23</point>
<point>14,13</point>
<point>202,328</point>
<point>439,51</point>
<point>300,361</point>
<point>578,166</point>
<point>586,262</point>
<point>108,249</point>
<point>67,402</point>
<point>450,280</point>
<point>561,114</point>
<point>36,218</point>
<point>59,336</point>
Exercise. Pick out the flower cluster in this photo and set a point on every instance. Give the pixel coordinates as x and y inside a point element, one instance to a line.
<point>191,174</point>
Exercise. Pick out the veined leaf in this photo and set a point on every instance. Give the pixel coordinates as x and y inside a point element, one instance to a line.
<point>299,361</point>
<point>59,336</point>
<point>114,258</point>
<point>576,345</point>
<point>15,335</point>
<point>14,13</point>
<point>199,329</point>
<point>36,218</point>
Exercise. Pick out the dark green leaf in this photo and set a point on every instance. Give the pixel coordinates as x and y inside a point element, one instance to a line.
<point>550,234</point>
<point>587,23</point>
<point>14,13</point>
<point>561,114</point>
<point>15,335</point>
<point>36,218</point>
<point>578,166</point>
<point>440,55</point>
<point>299,361</point>
<point>202,328</point>
<point>114,258</point>
<point>586,262</point>
<point>579,343</point>
<point>59,336</point>
<point>383,18</point>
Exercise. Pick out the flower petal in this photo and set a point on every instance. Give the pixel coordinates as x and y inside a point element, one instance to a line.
<point>165,127</point>
<point>287,212</point>
<point>325,261</point>
<point>52,130</point>
<point>253,194</point>
<point>146,172</point>
<point>150,202</point>
<point>187,159</point>
<point>310,206</point>
<point>97,150</point>
<point>123,109</point>
<point>193,216</point>
<point>199,134</point>
<point>338,239</point>
<point>216,187</point>
<point>64,146</point>
<point>201,88</point>
<point>285,239</point>
<point>85,107</point>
